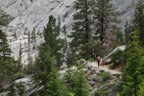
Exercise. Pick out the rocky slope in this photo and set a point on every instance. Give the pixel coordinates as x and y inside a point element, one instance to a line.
<point>100,78</point>
<point>32,15</point>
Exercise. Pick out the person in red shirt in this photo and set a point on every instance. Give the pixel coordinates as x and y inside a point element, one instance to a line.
<point>98,59</point>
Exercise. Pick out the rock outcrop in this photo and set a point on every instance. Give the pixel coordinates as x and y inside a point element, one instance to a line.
<point>32,15</point>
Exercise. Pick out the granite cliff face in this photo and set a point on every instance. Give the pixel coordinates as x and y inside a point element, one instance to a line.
<point>32,15</point>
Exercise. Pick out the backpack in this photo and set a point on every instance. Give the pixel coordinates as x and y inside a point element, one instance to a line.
<point>98,58</point>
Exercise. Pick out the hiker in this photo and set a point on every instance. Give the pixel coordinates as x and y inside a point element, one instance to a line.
<point>98,59</point>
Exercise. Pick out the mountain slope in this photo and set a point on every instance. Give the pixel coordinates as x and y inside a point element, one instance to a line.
<point>32,15</point>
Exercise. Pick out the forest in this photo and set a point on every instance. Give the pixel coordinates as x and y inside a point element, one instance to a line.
<point>64,68</point>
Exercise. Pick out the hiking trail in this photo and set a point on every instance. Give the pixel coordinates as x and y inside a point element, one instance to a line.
<point>103,67</point>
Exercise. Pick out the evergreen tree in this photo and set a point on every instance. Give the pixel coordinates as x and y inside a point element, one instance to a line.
<point>46,74</point>
<point>12,90</point>
<point>103,16</point>
<point>33,35</point>
<point>77,83</point>
<point>20,58</point>
<point>141,77</point>
<point>20,53</point>
<point>46,70</point>
<point>5,51</point>
<point>127,32</point>
<point>7,63</point>
<point>139,20</point>
<point>4,19</point>
<point>105,23</point>
<point>51,33</point>
<point>81,27</point>
<point>29,41</point>
<point>130,80</point>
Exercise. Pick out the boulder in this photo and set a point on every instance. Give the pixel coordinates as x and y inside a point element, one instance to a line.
<point>64,66</point>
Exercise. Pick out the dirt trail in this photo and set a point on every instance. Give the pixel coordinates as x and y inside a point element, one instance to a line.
<point>104,67</point>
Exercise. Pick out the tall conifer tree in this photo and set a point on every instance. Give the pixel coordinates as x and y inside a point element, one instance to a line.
<point>81,27</point>
<point>139,20</point>
<point>132,80</point>
<point>46,70</point>
<point>105,23</point>
<point>51,33</point>
<point>7,63</point>
<point>77,83</point>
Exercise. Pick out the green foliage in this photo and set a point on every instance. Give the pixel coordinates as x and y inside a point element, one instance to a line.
<point>119,38</point>
<point>19,75</point>
<point>127,31</point>
<point>118,58</point>
<point>102,93</point>
<point>33,35</point>
<point>105,76</point>
<point>8,66</point>
<point>53,86</point>
<point>140,77</point>
<point>20,58</point>
<point>12,90</point>
<point>29,69</point>
<point>97,46</point>
<point>20,89</point>
<point>45,66</point>
<point>141,89</point>
<point>92,46</point>
<point>77,83</point>
<point>4,49</point>
<point>95,15</point>
<point>4,19</point>
<point>80,64</point>
<point>130,80</point>
<point>139,20</point>
<point>17,89</point>
<point>71,94</point>
<point>105,24</point>
<point>81,27</point>
<point>51,33</point>
<point>46,74</point>
<point>101,10</point>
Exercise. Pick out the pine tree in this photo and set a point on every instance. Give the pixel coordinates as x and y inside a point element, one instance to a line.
<point>7,63</point>
<point>4,19</point>
<point>20,58</point>
<point>81,27</point>
<point>47,75</point>
<point>20,53</point>
<point>102,10</point>
<point>51,33</point>
<point>105,23</point>
<point>139,20</point>
<point>46,71</point>
<point>127,32</point>
<point>141,77</point>
<point>131,74</point>
<point>77,83</point>
<point>33,35</point>
<point>132,81</point>
<point>5,51</point>
<point>29,41</point>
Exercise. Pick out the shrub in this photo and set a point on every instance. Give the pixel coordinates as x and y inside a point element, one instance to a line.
<point>105,76</point>
<point>19,75</point>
